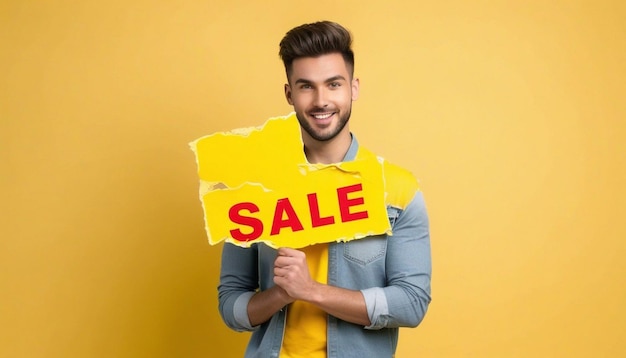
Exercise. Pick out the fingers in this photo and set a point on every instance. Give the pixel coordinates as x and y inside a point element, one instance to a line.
<point>291,273</point>
<point>287,256</point>
<point>289,262</point>
<point>289,252</point>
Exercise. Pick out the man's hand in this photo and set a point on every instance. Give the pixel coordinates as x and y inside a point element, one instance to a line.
<point>291,273</point>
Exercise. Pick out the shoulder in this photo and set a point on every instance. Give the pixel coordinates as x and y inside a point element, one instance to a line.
<point>400,185</point>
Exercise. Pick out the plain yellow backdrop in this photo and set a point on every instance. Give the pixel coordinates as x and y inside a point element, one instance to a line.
<point>510,113</point>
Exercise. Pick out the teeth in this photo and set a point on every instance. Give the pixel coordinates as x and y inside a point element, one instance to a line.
<point>322,116</point>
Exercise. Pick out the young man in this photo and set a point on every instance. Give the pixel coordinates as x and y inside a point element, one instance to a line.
<point>344,299</point>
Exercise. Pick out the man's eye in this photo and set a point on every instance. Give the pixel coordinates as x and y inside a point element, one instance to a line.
<point>335,84</point>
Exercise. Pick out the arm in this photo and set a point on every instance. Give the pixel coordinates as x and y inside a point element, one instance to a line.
<point>404,300</point>
<point>291,273</point>
<point>239,281</point>
<point>241,305</point>
<point>264,304</point>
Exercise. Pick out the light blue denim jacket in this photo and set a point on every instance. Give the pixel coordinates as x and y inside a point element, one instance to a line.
<point>392,272</point>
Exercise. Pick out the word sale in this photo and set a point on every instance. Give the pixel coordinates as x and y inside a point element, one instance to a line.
<point>286,217</point>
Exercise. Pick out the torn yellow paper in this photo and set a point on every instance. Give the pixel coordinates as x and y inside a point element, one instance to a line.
<point>256,186</point>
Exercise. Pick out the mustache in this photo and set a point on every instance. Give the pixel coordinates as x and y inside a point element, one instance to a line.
<point>322,110</point>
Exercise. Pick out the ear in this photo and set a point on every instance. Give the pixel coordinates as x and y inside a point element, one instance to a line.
<point>355,89</point>
<point>288,94</point>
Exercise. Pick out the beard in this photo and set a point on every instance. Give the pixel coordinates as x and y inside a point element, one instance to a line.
<point>326,134</point>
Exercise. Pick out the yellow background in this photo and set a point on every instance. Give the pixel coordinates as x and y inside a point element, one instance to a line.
<point>511,114</point>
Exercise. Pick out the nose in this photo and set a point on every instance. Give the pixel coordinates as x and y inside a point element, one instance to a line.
<point>321,98</point>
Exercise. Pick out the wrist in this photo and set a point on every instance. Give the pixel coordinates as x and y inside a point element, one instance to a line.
<point>282,295</point>
<point>316,294</point>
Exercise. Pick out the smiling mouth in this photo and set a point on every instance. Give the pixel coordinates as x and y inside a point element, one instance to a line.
<point>322,115</point>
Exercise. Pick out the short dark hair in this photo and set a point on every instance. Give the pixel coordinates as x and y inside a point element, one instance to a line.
<point>314,40</point>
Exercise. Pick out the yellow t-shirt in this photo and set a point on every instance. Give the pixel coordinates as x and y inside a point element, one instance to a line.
<point>305,330</point>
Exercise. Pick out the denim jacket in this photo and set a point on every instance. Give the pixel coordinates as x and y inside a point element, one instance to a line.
<point>392,272</point>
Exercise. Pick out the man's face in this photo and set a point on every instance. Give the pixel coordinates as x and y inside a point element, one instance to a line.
<point>321,91</point>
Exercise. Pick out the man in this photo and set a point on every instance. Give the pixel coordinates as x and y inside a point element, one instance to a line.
<point>344,299</point>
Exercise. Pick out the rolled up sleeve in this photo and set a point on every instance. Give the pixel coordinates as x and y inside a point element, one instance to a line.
<point>238,283</point>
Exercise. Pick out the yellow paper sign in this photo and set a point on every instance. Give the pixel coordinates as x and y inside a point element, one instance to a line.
<point>257,186</point>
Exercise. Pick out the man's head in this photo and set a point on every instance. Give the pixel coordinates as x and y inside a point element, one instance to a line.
<point>314,40</point>
<point>321,85</point>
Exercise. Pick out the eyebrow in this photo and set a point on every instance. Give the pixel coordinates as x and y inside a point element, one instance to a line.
<point>331,79</point>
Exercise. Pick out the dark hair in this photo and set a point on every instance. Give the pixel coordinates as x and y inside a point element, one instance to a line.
<point>316,39</point>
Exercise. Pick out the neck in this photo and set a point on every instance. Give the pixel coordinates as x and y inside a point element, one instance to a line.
<point>327,152</point>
